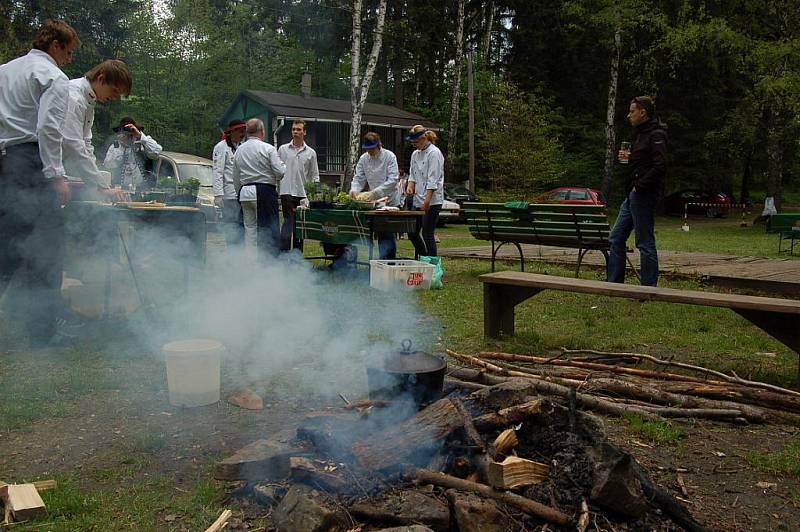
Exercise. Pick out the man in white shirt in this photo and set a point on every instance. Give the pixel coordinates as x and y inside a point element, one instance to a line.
<point>224,189</point>
<point>127,159</point>
<point>377,167</point>
<point>301,168</point>
<point>257,169</point>
<point>33,103</point>
<point>103,83</point>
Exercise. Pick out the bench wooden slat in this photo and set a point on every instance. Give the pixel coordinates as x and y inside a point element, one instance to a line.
<point>650,293</point>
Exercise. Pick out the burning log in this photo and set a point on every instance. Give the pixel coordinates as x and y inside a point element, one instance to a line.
<point>474,513</point>
<point>529,506</point>
<point>404,507</point>
<point>515,472</point>
<point>316,473</point>
<point>408,441</point>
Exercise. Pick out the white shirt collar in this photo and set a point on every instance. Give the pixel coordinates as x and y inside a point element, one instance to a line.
<point>86,87</point>
<point>37,52</point>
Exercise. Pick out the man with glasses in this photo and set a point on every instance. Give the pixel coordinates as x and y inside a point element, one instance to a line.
<point>644,184</point>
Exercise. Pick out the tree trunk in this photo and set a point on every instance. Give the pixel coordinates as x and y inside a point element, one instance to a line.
<point>359,85</point>
<point>488,23</point>
<point>471,101</point>
<point>774,154</point>
<point>611,104</point>
<point>747,176</point>
<point>453,130</point>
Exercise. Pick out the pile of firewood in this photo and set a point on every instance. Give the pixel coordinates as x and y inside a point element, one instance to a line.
<point>500,457</point>
<point>607,383</point>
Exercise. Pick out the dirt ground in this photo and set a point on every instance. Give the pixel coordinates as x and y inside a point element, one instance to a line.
<point>722,490</point>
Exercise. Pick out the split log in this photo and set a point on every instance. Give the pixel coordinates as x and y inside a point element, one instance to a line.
<point>531,507</point>
<point>23,501</point>
<point>474,513</point>
<point>511,415</point>
<point>505,442</point>
<point>514,472</point>
<point>404,507</point>
<point>481,460</point>
<point>411,441</point>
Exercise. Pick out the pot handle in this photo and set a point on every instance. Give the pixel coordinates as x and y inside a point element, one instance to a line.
<point>406,344</point>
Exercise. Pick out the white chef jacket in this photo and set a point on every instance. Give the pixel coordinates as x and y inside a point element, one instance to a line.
<point>129,161</point>
<point>77,144</point>
<point>301,168</point>
<point>381,173</point>
<point>223,170</point>
<point>427,172</point>
<point>33,103</point>
<point>256,161</point>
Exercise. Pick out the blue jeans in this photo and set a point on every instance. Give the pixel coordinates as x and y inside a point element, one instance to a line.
<point>637,213</point>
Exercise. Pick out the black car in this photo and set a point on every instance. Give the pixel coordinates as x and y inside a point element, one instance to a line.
<point>459,194</point>
<point>694,201</point>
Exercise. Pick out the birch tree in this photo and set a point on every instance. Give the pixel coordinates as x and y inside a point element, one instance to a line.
<point>359,83</point>
<point>611,105</point>
<point>453,129</point>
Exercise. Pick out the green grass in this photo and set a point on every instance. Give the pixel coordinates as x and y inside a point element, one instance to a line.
<point>659,431</point>
<point>786,461</point>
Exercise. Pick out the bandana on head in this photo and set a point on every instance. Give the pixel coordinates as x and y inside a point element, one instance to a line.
<point>416,135</point>
<point>367,144</point>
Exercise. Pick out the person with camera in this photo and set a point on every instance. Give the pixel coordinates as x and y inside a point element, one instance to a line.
<point>129,158</point>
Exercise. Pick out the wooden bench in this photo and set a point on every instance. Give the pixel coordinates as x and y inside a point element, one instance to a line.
<point>502,291</point>
<point>787,225</point>
<point>581,227</point>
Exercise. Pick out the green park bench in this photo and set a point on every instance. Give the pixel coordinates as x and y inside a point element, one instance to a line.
<point>787,226</point>
<point>503,291</point>
<point>581,227</point>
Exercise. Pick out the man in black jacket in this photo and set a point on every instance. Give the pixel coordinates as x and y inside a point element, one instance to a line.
<point>644,185</point>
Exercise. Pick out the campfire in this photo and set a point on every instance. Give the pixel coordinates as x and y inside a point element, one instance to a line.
<point>503,456</point>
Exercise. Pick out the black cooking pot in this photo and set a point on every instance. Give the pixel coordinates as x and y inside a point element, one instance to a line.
<point>406,374</point>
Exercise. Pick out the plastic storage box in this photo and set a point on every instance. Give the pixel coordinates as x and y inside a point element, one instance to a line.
<point>400,274</point>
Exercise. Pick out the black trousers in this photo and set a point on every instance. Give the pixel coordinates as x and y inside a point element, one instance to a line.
<point>289,206</point>
<point>31,242</point>
<point>427,244</point>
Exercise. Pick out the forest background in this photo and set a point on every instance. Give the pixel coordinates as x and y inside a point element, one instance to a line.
<point>552,79</point>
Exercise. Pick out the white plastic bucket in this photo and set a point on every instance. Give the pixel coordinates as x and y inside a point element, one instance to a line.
<point>193,371</point>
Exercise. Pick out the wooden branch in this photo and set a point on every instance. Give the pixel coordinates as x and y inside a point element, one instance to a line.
<point>583,517</point>
<point>505,442</point>
<point>596,366</point>
<point>528,506</point>
<point>700,369</point>
<point>595,403</point>
<point>221,521</point>
<point>514,472</point>
<point>466,385</point>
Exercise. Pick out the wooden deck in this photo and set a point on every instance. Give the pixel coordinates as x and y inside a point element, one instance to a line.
<point>776,276</point>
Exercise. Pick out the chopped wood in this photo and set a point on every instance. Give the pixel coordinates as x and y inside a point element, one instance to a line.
<point>681,484</point>
<point>505,441</point>
<point>528,506</point>
<point>511,415</point>
<point>583,517</point>
<point>261,460</point>
<point>514,472</point>
<point>469,428</point>
<point>221,521</point>
<point>23,501</point>
<point>402,442</point>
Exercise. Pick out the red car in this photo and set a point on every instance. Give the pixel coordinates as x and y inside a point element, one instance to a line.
<point>574,196</point>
